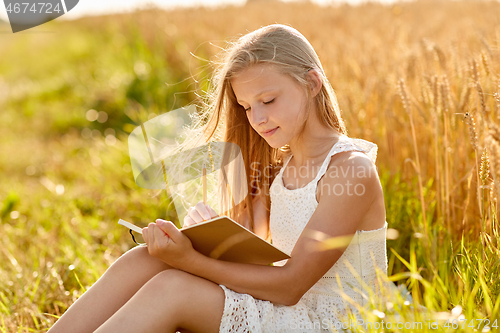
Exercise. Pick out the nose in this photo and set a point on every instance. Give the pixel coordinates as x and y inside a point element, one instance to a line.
<point>257,116</point>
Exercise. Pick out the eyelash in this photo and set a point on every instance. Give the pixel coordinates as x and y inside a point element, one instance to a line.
<point>264,103</point>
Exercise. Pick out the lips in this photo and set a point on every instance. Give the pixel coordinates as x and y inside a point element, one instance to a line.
<point>269,132</point>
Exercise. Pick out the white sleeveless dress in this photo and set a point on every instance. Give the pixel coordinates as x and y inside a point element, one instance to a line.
<point>321,308</point>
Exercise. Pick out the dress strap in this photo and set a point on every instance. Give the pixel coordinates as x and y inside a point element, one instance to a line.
<point>346,143</point>
<point>324,166</point>
<point>285,163</point>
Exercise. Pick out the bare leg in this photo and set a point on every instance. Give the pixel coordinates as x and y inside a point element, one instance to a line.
<point>120,282</point>
<point>171,301</point>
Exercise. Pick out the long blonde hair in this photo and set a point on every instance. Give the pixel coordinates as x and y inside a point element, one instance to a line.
<point>290,53</point>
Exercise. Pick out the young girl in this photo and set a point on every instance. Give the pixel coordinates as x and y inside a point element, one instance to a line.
<point>275,102</point>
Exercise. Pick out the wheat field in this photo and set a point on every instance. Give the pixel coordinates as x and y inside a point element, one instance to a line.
<point>420,79</point>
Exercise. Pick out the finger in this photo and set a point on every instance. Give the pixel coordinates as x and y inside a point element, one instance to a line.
<point>159,235</point>
<point>150,233</point>
<point>145,234</point>
<point>196,217</point>
<point>170,230</point>
<point>188,221</point>
<point>202,210</point>
<point>152,245</point>
<point>212,212</point>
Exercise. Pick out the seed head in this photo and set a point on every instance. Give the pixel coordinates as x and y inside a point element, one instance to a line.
<point>435,84</point>
<point>469,118</point>
<point>440,56</point>
<point>492,142</point>
<point>493,195</point>
<point>404,96</point>
<point>475,71</point>
<point>485,167</point>
<point>486,65</point>
<point>482,102</point>
<point>445,93</point>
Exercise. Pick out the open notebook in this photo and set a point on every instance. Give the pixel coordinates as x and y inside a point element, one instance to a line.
<point>223,238</point>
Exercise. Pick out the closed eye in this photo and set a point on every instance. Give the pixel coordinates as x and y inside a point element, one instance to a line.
<point>269,102</point>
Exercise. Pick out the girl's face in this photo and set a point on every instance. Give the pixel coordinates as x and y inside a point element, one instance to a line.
<point>275,104</point>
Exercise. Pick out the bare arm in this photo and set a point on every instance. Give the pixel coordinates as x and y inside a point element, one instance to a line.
<point>335,216</point>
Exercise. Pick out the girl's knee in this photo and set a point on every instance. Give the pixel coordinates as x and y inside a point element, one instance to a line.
<point>137,253</point>
<point>131,256</point>
<point>170,281</point>
<point>138,258</point>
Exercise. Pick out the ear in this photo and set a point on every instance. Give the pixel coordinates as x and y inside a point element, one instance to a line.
<point>315,82</point>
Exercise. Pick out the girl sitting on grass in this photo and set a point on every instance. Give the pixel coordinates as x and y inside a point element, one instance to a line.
<point>273,99</point>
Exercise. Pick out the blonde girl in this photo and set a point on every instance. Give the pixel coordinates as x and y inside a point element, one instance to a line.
<point>271,97</point>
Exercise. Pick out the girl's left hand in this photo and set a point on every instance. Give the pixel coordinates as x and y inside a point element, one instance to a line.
<point>167,243</point>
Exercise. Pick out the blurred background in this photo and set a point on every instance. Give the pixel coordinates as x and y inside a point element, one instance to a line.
<point>96,7</point>
<point>420,79</point>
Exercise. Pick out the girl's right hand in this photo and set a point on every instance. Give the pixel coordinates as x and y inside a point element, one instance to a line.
<point>199,213</point>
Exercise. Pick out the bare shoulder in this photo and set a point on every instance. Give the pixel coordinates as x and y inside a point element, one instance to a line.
<point>353,157</point>
<point>352,180</point>
<point>351,167</point>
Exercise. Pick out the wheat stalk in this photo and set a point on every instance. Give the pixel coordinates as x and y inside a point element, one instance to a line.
<point>445,97</point>
<point>485,168</point>
<point>497,99</point>
<point>469,119</point>
<point>441,57</point>
<point>494,136</point>
<point>435,83</point>
<point>446,93</point>
<point>407,107</point>
<point>435,91</point>
<point>465,99</point>
<point>474,70</point>
<point>423,95</point>
<point>404,96</point>
<point>484,60</point>
<point>492,142</point>
<point>472,127</point>
<point>483,175</point>
<point>481,103</point>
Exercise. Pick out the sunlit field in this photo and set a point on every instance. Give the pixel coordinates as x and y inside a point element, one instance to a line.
<point>421,80</point>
